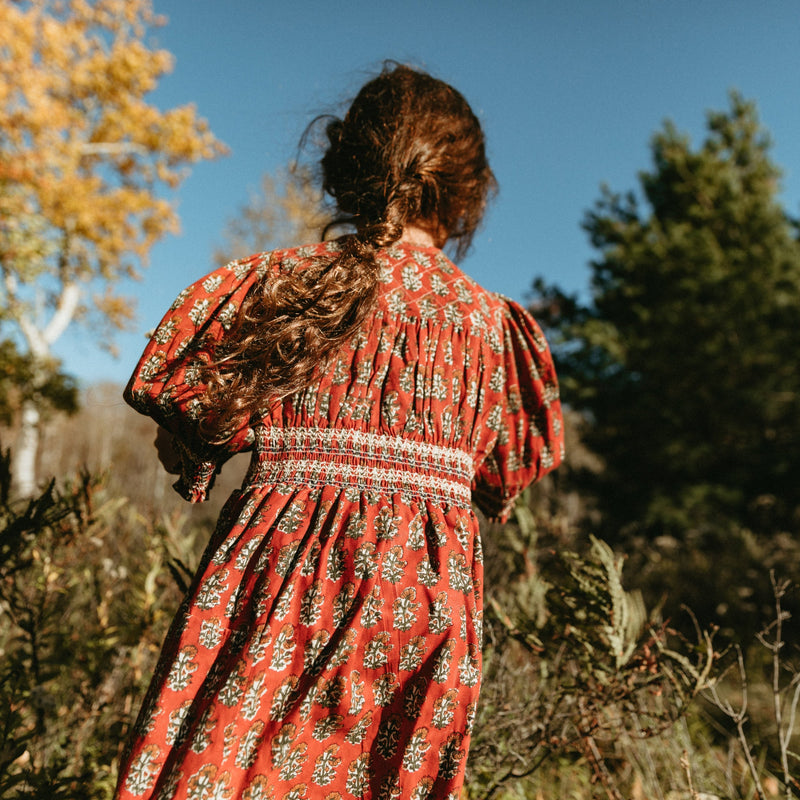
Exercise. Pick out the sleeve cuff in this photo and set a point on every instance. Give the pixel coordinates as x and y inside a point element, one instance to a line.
<point>197,475</point>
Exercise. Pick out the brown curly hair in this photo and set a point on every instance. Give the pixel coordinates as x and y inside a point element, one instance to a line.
<point>408,151</point>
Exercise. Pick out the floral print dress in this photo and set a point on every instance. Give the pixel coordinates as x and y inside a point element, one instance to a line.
<point>330,645</point>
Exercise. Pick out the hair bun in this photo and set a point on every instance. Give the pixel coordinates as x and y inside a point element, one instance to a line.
<point>409,150</point>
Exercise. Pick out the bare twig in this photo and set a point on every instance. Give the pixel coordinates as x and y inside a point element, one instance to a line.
<point>739,718</point>
<point>687,771</point>
<point>775,644</point>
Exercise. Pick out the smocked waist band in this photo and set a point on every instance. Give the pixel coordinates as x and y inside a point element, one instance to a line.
<point>369,462</point>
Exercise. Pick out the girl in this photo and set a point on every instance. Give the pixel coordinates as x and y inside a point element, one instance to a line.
<point>329,646</point>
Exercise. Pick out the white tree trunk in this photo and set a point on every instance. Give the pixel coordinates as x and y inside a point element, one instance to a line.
<point>24,470</point>
<point>39,340</point>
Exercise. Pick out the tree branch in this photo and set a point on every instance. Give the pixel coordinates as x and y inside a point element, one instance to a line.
<point>65,311</point>
<point>111,148</point>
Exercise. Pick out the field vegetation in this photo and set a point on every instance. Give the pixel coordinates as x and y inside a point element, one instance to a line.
<point>590,691</point>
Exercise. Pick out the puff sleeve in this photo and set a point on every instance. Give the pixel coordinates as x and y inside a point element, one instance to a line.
<point>524,411</point>
<point>166,385</point>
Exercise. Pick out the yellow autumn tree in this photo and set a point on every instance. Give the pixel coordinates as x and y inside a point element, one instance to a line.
<point>288,210</point>
<point>84,158</point>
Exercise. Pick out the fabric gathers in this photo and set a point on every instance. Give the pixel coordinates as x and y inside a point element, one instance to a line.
<point>365,462</point>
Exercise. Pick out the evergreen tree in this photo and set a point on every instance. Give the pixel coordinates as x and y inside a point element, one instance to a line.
<point>684,362</point>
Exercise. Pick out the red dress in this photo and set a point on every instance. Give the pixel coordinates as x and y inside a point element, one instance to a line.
<point>330,646</point>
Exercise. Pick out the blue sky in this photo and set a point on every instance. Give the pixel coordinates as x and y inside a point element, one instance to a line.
<point>569,93</point>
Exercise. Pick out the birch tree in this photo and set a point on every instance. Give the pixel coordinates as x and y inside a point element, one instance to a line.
<point>84,158</point>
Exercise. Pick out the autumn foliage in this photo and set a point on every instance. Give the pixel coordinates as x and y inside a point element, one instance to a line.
<point>84,160</point>
<point>82,148</point>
